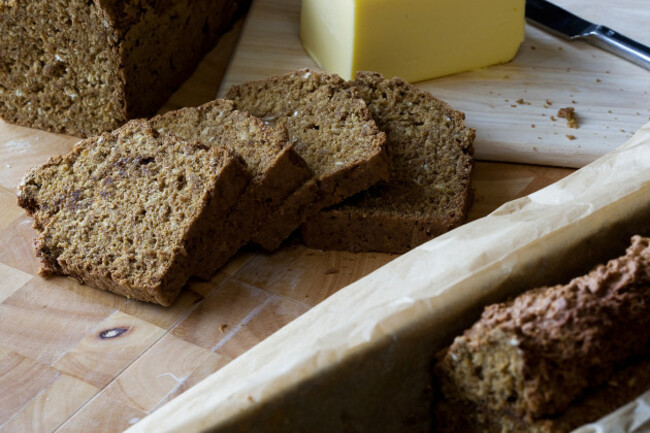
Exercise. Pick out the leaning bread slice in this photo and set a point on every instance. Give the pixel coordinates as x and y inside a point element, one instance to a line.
<point>332,130</point>
<point>429,191</point>
<point>132,207</point>
<point>275,169</point>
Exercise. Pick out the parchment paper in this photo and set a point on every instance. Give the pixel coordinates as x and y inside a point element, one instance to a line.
<point>361,360</point>
<point>631,418</point>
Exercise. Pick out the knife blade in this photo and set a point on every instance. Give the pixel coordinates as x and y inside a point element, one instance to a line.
<point>563,23</point>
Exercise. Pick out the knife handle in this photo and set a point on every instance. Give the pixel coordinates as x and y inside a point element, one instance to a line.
<point>622,46</point>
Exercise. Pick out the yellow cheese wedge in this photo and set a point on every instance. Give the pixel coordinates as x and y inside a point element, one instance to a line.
<point>412,39</point>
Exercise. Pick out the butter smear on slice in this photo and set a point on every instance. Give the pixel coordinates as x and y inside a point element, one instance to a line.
<point>412,39</point>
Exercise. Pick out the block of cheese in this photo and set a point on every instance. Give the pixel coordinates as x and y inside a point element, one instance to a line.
<point>412,39</point>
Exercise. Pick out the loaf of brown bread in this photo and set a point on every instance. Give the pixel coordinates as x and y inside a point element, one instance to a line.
<point>625,384</point>
<point>332,130</point>
<point>537,362</point>
<point>131,207</point>
<point>83,67</point>
<point>429,191</point>
<point>275,168</point>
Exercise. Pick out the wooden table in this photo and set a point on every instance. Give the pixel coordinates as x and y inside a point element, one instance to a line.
<point>76,359</point>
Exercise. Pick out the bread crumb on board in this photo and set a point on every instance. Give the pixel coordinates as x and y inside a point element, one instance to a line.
<point>568,113</point>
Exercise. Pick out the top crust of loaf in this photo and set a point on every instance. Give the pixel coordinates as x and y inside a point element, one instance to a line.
<point>534,355</point>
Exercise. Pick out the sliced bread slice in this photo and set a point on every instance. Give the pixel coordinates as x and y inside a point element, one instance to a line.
<point>132,206</point>
<point>332,130</point>
<point>275,168</point>
<point>429,191</point>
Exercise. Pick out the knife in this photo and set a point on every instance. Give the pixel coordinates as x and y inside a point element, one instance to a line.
<point>563,23</point>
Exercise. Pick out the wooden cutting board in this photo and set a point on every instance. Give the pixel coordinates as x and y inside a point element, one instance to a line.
<point>76,359</point>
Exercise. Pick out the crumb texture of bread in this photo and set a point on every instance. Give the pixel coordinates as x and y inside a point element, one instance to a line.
<point>276,170</point>
<point>429,191</point>
<point>536,360</point>
<point>128,210</point>
<point>331,129</point>
<point>84,67</point>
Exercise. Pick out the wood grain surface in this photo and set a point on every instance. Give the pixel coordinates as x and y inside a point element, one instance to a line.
<point>77,359</point>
